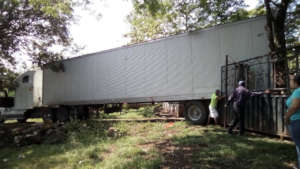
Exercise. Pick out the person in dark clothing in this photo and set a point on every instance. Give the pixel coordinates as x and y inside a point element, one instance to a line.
<point>239,98</point>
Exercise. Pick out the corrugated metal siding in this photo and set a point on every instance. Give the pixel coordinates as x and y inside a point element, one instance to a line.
<point>182,67</point>
<point>156,69</point>
<point>179,66</point>
<point>206,69</point>
<point>135,71</point>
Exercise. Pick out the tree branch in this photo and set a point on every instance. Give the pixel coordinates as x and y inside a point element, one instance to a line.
<point>277,5</point>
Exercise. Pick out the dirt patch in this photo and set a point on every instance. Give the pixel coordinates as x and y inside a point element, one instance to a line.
<point>20,134</point>
<point>176,156</point>
<point>107,152</point>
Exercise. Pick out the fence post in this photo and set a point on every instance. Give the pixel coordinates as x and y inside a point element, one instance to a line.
<point>287,75</point>
<point>269,71</point>
<point>226,89</point>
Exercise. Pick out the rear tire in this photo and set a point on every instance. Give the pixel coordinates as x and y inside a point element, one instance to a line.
<point>196,113</point>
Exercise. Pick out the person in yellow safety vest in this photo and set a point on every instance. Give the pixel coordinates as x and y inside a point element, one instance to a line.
<point>213,112</point>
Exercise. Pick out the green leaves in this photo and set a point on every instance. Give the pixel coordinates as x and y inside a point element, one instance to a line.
<point>53,8</point>
<point>34,28</point>
<point>152,19</point>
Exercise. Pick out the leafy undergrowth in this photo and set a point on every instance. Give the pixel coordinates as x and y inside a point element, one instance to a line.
<point>121,145</point>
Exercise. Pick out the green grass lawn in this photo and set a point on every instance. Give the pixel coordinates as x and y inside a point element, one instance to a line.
<point>94,144</point>
<point>37,120</point>
<point>143,112</point>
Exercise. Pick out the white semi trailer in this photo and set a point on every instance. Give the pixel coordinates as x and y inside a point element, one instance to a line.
<point>184,68</point>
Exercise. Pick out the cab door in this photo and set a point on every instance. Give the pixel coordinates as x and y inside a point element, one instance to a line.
<point>24,91</point>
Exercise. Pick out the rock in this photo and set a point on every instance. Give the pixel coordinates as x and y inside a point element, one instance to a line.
<point>16,130</point>
<point>112,132</point>
<point>17,139</point>
<point>35,133</point>
<point>29,130</point>
<point>28,135</point>
<point>55,137</point>
<point>21,156</point>
<point>2,132</point>
<point>5,160</point>
<point>2,144</point>
<point>48,132</point>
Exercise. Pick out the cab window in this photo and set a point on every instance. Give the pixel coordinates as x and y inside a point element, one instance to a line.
<point>25,79</point>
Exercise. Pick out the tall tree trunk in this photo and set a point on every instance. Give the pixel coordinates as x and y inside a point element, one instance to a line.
<point>275,27</point>
<point>269,26</point>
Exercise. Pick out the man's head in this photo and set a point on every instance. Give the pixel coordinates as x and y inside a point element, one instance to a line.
<point>218,92</point>
<point>242,83</point>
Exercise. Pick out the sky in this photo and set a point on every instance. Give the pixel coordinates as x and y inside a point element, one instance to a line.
<point>107,32</point>
<point>97,34</point>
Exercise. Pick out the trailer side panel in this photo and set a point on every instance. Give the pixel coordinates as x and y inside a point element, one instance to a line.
<point>181,67</point>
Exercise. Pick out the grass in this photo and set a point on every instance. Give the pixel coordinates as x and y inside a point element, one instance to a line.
<point>37,120</point>
<point>143,112</point>
<point>151,145</point>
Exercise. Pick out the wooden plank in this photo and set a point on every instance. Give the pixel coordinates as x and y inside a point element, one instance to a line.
<point>142,120</point>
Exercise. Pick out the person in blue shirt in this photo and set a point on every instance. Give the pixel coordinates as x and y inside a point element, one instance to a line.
<point>292,117</point>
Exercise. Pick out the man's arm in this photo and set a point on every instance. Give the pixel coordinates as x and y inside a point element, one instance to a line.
<point>230,99</point>
<point>220,97</point>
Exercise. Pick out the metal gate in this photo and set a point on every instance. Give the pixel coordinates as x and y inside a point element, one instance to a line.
<point>263,113</point>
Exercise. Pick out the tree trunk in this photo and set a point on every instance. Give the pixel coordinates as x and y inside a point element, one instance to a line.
<point>275,27</point>
<point>269,26</point>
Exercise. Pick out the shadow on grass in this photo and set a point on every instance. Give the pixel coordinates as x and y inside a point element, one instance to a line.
<point>81,135</point>
<point>215,149</point>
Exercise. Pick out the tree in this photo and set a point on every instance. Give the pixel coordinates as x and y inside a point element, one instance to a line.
<point>7,83</point>
<point>153,19</point>
<point>147,25</point>
<point>33,27</point>
<point>280,14</point>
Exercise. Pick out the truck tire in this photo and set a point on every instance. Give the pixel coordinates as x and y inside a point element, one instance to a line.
<point>196,113</point>
<point>62,114</point>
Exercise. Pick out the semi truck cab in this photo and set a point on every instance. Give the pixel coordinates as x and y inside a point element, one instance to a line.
<point>28,96</point>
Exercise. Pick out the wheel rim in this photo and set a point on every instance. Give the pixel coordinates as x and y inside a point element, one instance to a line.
<point>194,113</point>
